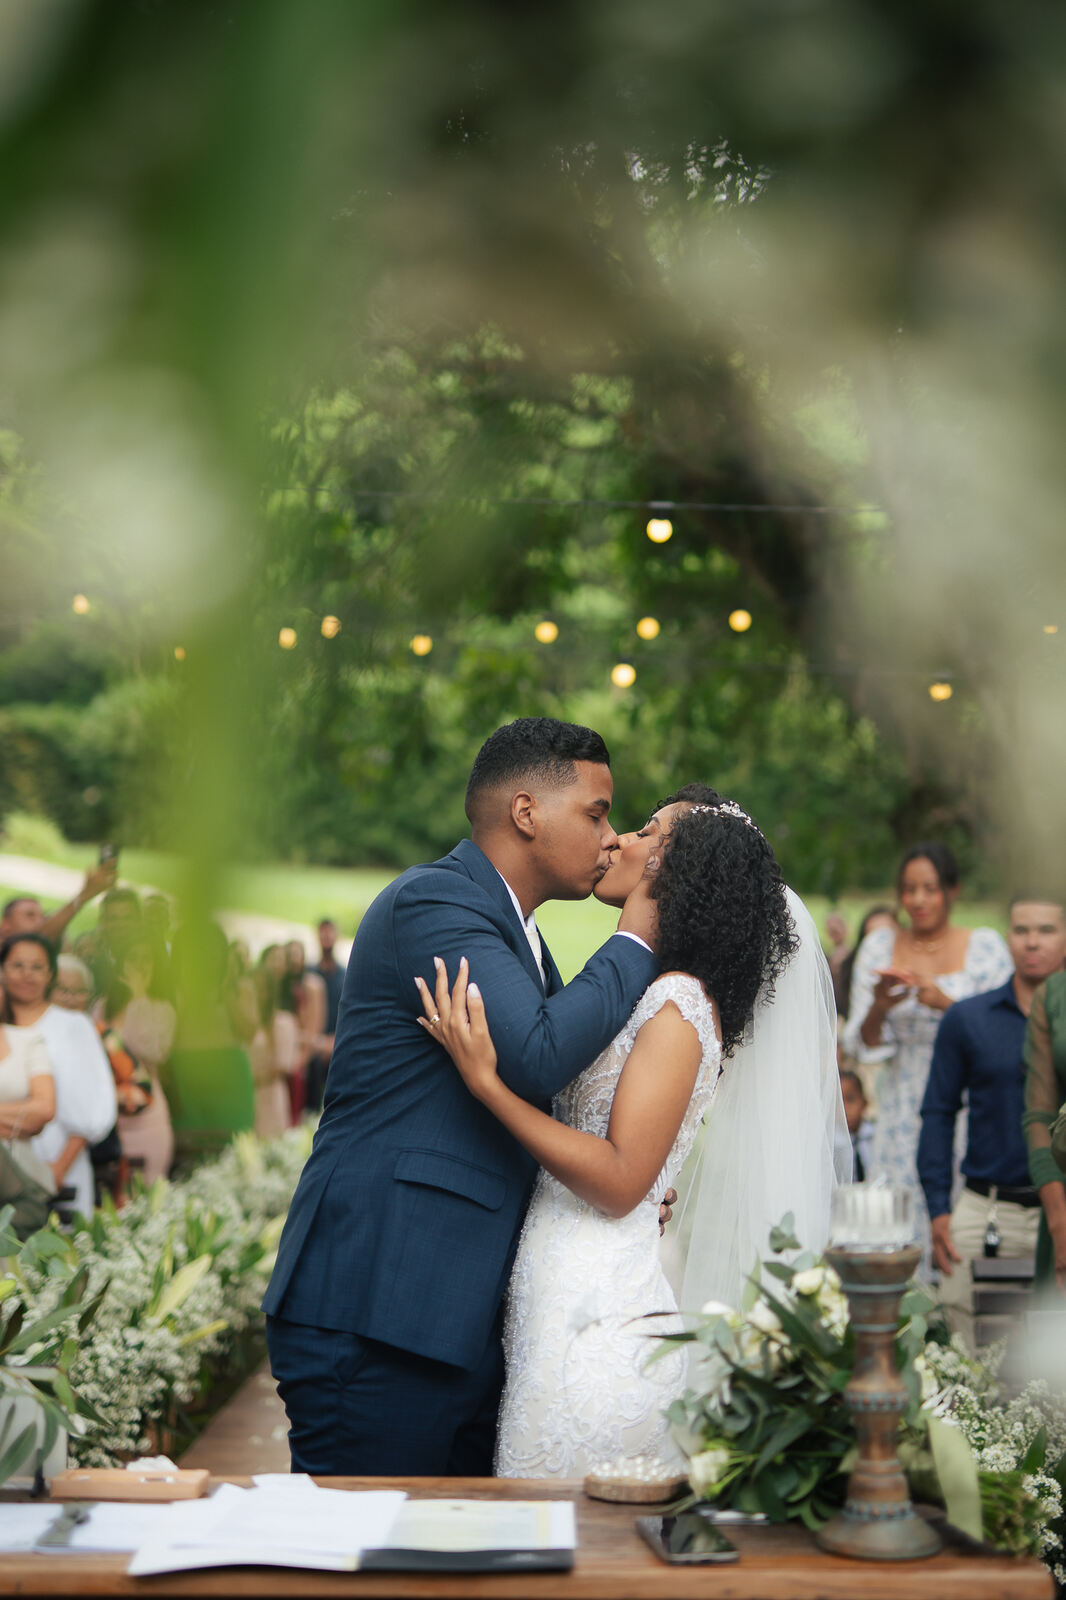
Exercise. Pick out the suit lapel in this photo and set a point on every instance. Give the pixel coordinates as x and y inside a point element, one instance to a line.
<point>476,864</point>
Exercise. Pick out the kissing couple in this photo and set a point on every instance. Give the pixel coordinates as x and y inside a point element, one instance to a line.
<point>427,1317</point>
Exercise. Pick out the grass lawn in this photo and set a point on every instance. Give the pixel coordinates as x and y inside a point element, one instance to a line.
<point>572,929</point>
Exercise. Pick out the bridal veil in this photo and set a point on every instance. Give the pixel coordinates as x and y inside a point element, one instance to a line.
<point>775,1140</point>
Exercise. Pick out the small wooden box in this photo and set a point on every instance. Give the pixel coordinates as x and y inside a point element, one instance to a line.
<point>117,1483</point>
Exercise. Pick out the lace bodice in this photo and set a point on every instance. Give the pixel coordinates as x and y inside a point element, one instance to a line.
<point>586,1102</point>
<point>577,1391</point>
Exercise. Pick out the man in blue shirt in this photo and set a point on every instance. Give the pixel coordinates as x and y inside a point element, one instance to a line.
<point>978,1055</point>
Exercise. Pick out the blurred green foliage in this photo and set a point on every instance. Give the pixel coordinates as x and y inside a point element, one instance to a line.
<point>301,307</point>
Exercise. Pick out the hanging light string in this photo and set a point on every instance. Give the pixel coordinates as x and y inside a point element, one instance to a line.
<point>611,505</point>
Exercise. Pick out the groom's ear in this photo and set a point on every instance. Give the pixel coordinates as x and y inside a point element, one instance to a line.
<point>523,807</point>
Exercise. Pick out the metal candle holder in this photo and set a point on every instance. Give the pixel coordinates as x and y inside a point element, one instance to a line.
<point>878,1522</point>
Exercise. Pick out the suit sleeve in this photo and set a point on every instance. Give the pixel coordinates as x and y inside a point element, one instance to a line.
<point>541,1043</point>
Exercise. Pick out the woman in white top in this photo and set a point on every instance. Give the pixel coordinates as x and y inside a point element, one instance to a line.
<point>27,1092</point>
<point>80,1086</point>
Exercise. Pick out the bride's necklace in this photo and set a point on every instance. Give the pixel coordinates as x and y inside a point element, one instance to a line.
<point>929,947</point>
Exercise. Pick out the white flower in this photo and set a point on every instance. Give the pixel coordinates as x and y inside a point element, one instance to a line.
<point>809,1281</point>
<point>706,1470</point>
<point>764,1318</point>
<point>716,1308</point>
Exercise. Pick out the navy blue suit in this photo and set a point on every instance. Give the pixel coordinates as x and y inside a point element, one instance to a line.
<point>404,1226</point>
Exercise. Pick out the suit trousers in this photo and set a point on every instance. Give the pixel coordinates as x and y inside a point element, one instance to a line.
<point>360,1408</point>
<point>1017,1229</point>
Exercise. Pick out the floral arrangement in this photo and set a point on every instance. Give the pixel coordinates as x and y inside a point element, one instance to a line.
<point>1018,1446</point>
<point>175,1279</point>
<point>768,1429</point>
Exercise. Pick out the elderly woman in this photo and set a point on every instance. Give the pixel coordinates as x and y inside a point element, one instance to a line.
<point>83,1101</point>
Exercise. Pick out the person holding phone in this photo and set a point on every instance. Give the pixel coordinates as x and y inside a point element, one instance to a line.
<point>25,914</point>
<point>904,980</point>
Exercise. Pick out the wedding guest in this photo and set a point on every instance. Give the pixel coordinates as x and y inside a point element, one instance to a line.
<point>83,1089</point>
<point>1045,1094</point>
<point>860,1131</point>
<point>332,974</point>
<point>73,988</point>
<point>155,914</point>
<point>208,1080</point>
<point>27,1091</point>
<point>876,917</point>
<point>239,993</point>
<point>119,922</point>
<point>137,1019</point>
<point>903,982</point>
<point>24,914</point>
<point>274,1051</point>
<point>977,1061</point>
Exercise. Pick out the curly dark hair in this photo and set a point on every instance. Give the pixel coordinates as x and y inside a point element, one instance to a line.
<point>723,915</point>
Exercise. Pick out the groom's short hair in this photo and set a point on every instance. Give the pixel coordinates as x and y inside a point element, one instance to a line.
<point>537,749</point>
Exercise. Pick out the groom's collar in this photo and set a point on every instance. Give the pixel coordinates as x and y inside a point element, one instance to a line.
<point>483,871</point>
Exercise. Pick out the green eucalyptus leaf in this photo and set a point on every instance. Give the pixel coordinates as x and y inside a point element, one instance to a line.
<point>778,1269</point>
<point>17,1452</point>
<point>1036,1455</point>
<point>35,1332</point>
<point>783,1236</point>
<point>791,1428</point>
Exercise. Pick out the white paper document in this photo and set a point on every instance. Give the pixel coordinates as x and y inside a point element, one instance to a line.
<point>272,1526</point>
<point>117,1525</point>
<point>21,1524</point>
<point>468,1525</point>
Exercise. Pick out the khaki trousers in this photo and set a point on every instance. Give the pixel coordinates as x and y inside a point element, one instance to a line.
<point>1017,1226</point>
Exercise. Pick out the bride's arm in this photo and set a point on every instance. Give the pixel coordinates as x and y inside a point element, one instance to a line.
<point>613,1174</point>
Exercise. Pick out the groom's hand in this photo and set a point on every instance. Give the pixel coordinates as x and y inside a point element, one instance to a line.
<point>640,914</point>
<point>666,1209</point>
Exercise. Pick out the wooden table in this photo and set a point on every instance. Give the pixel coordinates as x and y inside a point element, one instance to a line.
<point>613,1563</point>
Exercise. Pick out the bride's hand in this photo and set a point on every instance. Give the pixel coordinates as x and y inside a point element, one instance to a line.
<point>457,1021</point>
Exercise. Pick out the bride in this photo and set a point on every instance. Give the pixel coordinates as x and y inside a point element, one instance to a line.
<point>739,1025</point>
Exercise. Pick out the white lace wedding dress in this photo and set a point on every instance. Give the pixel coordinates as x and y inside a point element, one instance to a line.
<point>577,1392</point>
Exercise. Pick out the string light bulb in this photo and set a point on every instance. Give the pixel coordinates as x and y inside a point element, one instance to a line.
<point>1051,627</point>
<point>179,652</point>
<point>940,691</point>
<point>648,628</point>
<point>623,676</point>
<point>287,638</point>
<point>546,632</point>
<point>659,529</point>
<point>740,620</point>
<point>421,644</point>
<point>331,626</point>
<point>80,604</point>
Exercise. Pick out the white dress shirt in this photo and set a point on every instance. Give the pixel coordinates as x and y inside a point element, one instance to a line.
<point>532,932</point>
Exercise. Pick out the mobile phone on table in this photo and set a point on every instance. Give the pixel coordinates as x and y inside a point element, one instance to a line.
<point>686,1539</point>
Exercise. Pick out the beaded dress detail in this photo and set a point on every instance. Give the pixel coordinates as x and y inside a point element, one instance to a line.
<point>576,1392</point>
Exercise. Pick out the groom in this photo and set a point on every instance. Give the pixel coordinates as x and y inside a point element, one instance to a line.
<point>384,1306</point>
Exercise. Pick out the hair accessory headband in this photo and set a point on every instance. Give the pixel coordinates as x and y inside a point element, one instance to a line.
<point>728,808</point>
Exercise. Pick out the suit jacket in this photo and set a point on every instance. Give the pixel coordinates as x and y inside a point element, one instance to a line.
<point>405,1221</point>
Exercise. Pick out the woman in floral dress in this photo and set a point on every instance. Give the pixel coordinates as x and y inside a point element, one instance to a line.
<point>904,980</point>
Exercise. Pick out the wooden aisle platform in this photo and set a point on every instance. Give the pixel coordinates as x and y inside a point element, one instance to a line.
<point>249,1435</point>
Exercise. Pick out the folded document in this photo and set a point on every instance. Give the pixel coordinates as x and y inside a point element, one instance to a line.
<point>294,1523</point>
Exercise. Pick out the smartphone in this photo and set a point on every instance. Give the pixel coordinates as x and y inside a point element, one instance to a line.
<point>108,852</point>
<point>687,1539</point>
